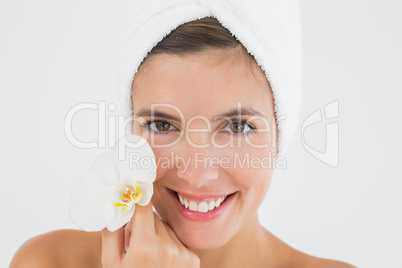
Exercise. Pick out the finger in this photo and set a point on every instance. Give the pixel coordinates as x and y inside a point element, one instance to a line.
<point>160,229</point>
<point>142,223</point>
<point>112,246</point>
<point>127,235</point>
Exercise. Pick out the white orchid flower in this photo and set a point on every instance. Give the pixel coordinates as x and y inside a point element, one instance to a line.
<point>118,180</point>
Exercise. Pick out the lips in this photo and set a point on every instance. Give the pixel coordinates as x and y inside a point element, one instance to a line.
<point>201,208</point>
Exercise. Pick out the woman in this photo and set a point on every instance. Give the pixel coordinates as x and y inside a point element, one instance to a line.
<point>206,213</point>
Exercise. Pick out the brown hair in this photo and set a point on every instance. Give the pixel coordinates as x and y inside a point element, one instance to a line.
<point>202,35</point>
<point>196,36</point>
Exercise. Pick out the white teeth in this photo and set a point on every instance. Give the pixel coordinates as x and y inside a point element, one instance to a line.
<point>202,206</point>
<point>218,202</point>
<point>211,205</point>
<point>193,206</point>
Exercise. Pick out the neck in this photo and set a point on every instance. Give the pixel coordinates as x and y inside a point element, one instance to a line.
<point>249,245</point>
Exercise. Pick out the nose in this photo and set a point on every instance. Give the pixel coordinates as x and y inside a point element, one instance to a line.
<point>195,166</point>
<point>197,170</point>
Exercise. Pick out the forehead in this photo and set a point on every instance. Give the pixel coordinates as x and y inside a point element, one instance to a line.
<point>198,86</point>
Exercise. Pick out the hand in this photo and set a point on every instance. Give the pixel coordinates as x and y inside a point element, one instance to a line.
<point>152,243</point>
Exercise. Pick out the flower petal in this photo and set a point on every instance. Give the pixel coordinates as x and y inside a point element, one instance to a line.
<point>89,203</point>
<point>147,192</point>
<point>135,159</point>
<point>122,218</point>
<point>138,197</point>
<point>106,168</point>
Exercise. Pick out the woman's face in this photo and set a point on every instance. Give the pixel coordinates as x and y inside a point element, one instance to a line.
<point>203,155</point>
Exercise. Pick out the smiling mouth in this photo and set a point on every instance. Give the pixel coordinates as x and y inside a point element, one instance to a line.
<point>201,205</point>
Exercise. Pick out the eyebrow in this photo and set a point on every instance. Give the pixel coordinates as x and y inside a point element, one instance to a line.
<point>145,112</point>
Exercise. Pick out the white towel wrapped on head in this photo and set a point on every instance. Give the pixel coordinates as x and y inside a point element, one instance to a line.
<point>269,30</point>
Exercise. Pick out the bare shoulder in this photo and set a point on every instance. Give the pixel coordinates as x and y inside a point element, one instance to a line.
<point>291,257</point>
<point>315,262</point>
<point>309,261</point>
<point>61,248</point>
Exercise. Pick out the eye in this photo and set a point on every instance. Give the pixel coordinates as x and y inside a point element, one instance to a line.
<point>158,127</point>
<point>240,127</point>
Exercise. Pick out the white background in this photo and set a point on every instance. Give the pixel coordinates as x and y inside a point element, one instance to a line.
<point>56,54</point>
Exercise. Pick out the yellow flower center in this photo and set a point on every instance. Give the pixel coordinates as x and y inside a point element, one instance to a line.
<point>128,197</point>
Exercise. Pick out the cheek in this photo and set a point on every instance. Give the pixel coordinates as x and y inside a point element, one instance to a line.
<point>251,171</point>
<point>249,161</point>
<point>252,183</point>
<point>164,162</point>
<point>253,187</point>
